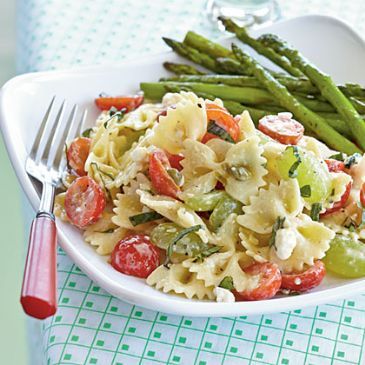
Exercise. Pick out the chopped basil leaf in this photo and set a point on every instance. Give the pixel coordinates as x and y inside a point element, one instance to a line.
<point>351,160</point>
<point>279,223</point>
<point>111,230</point>
<point>293,171</point>
<point>96,166</point>
<point>106,124</point>
<point>306,191</point>
<point>178,237</point>
<point>218,131</point>
<point>338,156</point>
<point>144,218</point>
<point>316,209</point>
<point>113,110</point>
<point>227,283</point>
<point>86,133</point>
<point>209,251</point>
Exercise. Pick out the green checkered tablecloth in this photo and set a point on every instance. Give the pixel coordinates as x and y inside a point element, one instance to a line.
<point>92,327</point>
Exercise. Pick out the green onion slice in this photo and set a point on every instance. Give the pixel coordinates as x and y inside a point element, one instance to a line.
<point>316,209</point>
<point>306,191</point>
<point>293,171</point>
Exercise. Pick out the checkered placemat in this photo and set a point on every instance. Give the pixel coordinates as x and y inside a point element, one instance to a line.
<point>92,327</point>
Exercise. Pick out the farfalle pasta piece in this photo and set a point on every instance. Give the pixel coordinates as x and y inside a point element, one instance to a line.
<point>176,212</point>
<point>198,160</point>
<point>272,152</point>
<point>312,241</point>
<point>318,148</point>
<point>247,127</point>
<point>282,200</point>
<point>187,120</point>
<point>246,155</point>
<point>179,280</point>
<point>219,147</point>
<point>339,182</point>
<point>227,235</point>
<point>127,206</point>
<point>142,117</point>
<point>105,241</point>
<point>201,185</point>
<point>220,265</point>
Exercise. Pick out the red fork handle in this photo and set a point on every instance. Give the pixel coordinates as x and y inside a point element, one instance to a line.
<point>39,293</point>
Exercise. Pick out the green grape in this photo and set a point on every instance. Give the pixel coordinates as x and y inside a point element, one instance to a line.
<point>308,170</point>
<point>205,202</point>
<point>190,245</point>
<point>223,209</point>
<point>346,257</point>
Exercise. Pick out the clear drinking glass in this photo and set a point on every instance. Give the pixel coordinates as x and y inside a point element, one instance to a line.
<point>244,12</point>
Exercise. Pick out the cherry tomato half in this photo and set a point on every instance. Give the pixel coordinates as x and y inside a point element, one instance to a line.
<point>334,165</point>
<point>175,161</point>
<point>269,282</point>
<point>225,121</point>
<point>119,102</point>
<point>84,202</point>
<point>135,255</point>
<point>362,195</point>
<point>283,130</point>
<point>161,181</point>
<point>305,280</point>
<point>339,204</point>
<point>77,154</point>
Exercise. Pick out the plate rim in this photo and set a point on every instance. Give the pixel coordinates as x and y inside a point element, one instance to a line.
<point>162,303</point>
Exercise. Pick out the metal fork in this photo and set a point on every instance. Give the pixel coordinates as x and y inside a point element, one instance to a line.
<point>46,163</point>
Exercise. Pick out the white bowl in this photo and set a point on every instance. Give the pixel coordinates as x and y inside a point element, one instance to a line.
<point>329,43</point>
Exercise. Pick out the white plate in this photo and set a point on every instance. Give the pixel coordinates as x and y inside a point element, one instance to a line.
<point>329,43</point>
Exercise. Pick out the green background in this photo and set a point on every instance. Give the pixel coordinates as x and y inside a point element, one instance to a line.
<point>12,320</point>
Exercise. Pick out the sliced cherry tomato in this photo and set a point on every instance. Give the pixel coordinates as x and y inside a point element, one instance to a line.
<point>334,165</point>
<point>135,255</point>
<point>305,280</point>
<point>119,102</point>
<point>225,121</point>
<point>339,204</point>
<point>283,130</point>
<point>269,282</point>
<point>162,182</point>
<point>77,154</point>
<point>362,195</point>
<point>84,202</point>
<point>175,161</point>
<point>210,105</point>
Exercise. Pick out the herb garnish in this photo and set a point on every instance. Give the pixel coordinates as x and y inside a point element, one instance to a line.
<point>144,218</point>
<point>86,133</point>
<point>227,283</point>
<point>315,210</point>
<point>218,131</point>
<point>209,251</point>
<point>293,171</point>
<point>306,191</point>
<point>338,156</point>
<point>279,223</point>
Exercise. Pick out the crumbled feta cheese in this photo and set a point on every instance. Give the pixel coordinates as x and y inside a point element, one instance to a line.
<point>223,295</point>
<point>285,242</point>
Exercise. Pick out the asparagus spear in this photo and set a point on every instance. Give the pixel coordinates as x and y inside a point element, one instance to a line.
<point>182,69</point>
<point>293,84</point>
<point>206,46</point>
<point>243,36</point>
<point>192,54</point>
<point>311,121</point>
<point>325,84</point>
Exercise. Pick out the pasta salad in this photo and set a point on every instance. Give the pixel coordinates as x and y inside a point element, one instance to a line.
<point>207,205</point>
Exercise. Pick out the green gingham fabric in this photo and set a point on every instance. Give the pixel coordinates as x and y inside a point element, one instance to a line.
<point>92,327</point>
